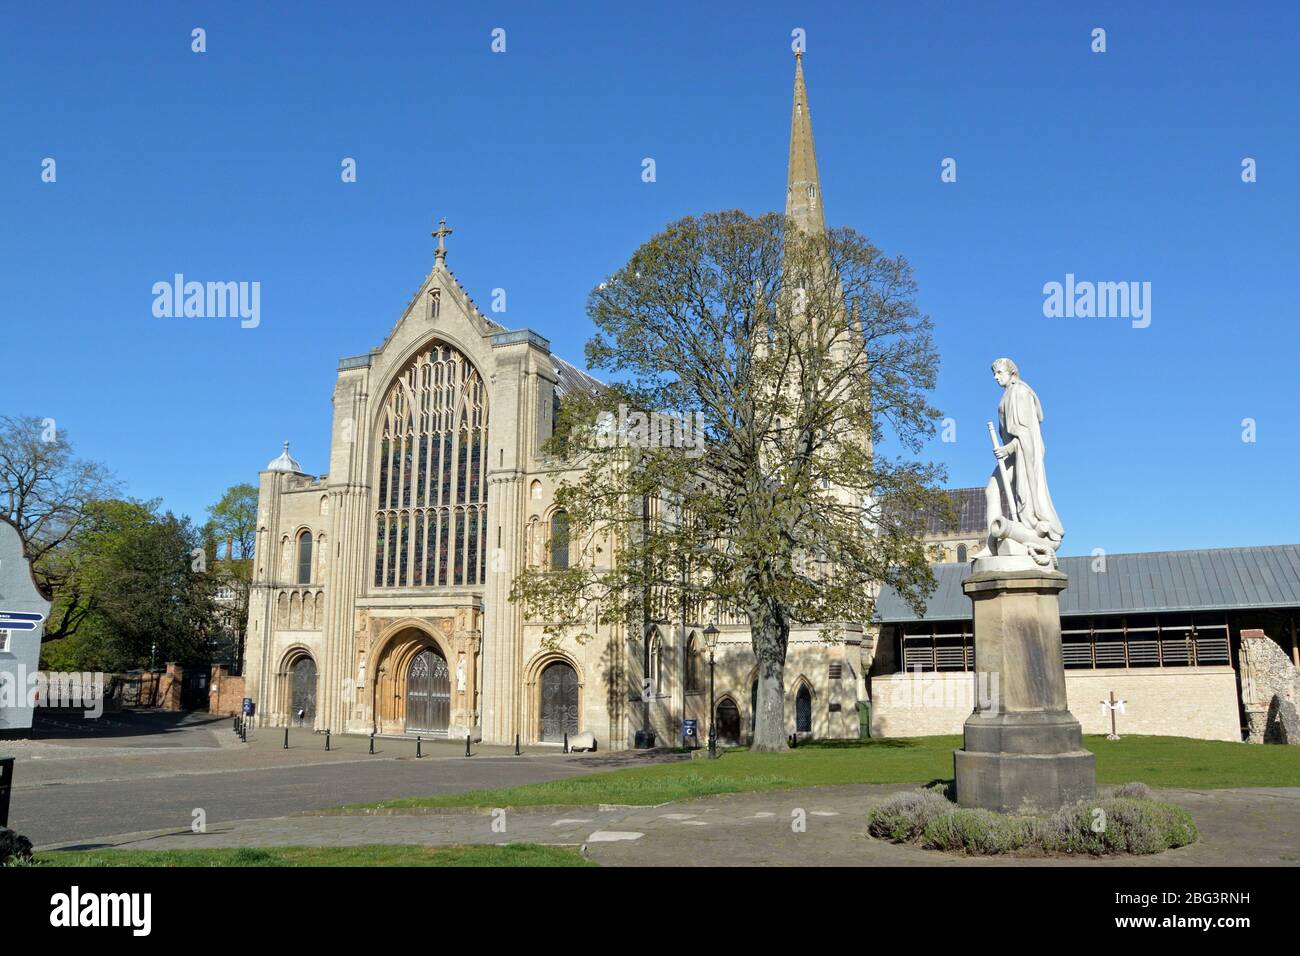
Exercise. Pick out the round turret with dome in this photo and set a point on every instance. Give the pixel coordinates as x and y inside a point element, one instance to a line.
<point>285,463</point>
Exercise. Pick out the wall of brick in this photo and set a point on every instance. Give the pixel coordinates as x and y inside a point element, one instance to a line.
<point>1198,702</point>
<point>225,693</point>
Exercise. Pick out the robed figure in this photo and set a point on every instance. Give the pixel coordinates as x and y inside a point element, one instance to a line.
<point>1021,475</point>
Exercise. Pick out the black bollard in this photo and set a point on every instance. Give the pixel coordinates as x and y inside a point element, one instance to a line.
<point>243,731</point>
<point>235,725</point>
<point>516,745</point>
<point>467,753</point>
<point>286,738</point>
<point>327,740</point>
<point>417,747</point>
<point>566,743</point>
<point>372,741</point>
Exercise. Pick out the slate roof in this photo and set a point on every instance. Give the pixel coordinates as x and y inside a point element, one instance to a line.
<point>1210,579</point>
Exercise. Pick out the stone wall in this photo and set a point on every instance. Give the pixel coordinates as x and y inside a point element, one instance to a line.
<point>1266,672</point>
<point>1198,702</point>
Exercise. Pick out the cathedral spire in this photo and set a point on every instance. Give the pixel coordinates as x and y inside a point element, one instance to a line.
<point>803,199</point>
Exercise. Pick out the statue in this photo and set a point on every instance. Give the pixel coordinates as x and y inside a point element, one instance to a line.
<point>1033,528</point>
<point>460,675</point>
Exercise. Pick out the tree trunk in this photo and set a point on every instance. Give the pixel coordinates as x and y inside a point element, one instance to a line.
<point>771,635</point>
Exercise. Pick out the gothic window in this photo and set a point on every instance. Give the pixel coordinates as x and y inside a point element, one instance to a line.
<point>961,553</point>
<point>560,540</point>
<point>803,710</point>
<point>694,666</point>
<point>656,665</point>
<point>431,506</point>
<point>304,558</point>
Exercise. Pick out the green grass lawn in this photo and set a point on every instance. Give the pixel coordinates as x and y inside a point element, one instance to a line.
<point>514,854</point>
<point>1156,761</point>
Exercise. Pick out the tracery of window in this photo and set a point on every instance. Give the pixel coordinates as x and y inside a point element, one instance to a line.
<point>694,662</point>
<point>431,481</point>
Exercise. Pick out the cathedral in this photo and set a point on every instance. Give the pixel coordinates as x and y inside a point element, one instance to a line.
<point>380,598</point>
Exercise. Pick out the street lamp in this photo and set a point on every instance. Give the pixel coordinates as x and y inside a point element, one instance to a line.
<point>711,640</point>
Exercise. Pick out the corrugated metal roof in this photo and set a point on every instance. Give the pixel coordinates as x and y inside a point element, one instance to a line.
<point>1209,579</point>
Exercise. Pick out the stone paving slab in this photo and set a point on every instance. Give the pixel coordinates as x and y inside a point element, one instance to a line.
<point>1248,827</point>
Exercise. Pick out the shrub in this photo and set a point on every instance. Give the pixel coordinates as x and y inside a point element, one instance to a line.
<point>13,847</point>
<point>1134,791</point>
<point>1116,824</point>
<point>977,831</point>
<point>903,818</point>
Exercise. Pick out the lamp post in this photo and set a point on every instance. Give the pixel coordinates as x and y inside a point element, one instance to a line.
<point>711,639</point>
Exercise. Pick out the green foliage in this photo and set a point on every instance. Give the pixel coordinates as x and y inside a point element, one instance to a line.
<point>47,492</point>
<point>148,595</point>
<point>737,465</point>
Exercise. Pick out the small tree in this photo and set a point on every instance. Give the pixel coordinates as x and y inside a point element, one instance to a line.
<point>779,364</point>
<point>232,521</point>
<point>47,492</point>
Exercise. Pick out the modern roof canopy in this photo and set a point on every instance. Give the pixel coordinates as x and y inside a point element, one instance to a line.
<point>1142,583</point>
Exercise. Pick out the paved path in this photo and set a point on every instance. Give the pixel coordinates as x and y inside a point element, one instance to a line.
<point>151,771</point>
<point>1238,827</point>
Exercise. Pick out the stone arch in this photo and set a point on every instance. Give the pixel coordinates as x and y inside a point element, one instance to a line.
<point>395,648</point>
<point>537,664</point>
<point>294,655</point>
<point>802,696</point>
<point>726,715</point>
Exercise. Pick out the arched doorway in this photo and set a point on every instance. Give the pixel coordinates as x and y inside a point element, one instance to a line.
<point>302,702</point>
<point>728,723</point>
<point>803,710</point>
<point>428,693</point>
<point>559,702</point>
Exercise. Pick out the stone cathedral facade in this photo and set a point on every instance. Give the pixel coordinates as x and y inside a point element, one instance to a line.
<point>381,589</point>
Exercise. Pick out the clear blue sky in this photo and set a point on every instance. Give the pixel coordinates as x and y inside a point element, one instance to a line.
<point>1122,166</point>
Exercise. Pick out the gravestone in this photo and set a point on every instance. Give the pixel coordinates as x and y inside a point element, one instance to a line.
<point>23,609</point>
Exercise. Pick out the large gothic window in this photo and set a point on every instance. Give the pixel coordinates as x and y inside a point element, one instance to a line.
<point>431,506</point>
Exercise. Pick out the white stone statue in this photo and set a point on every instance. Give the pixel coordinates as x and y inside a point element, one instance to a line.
<point>1033,529</point>
<point>460,675</point>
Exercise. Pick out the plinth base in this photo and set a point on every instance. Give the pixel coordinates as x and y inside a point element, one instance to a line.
<point>1024,783</point>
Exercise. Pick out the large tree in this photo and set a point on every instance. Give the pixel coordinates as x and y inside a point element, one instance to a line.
<point>791,363</point>
<point>47,492</point>
<point>232,532</point>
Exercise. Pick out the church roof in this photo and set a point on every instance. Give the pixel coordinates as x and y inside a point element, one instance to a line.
<point>1140,583</point>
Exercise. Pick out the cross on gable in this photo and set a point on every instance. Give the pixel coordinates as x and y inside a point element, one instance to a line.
<point>441,233</point>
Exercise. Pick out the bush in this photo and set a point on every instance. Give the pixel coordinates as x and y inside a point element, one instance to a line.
<point>14,848</point>
<point>979,832</point>
<point>1124,820</point>
<point>1134,791</point>
<point>903,818</point>
<point>1116,824</point>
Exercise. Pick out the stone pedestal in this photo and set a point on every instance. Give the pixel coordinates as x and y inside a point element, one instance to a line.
<point>1023,748</point>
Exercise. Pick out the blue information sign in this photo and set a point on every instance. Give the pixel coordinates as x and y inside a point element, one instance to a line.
<point>688,728</point>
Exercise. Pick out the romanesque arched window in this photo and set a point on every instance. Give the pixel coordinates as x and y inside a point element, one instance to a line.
<point>304,558</point>
<point>431,481</point>
<point>560,540</point>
